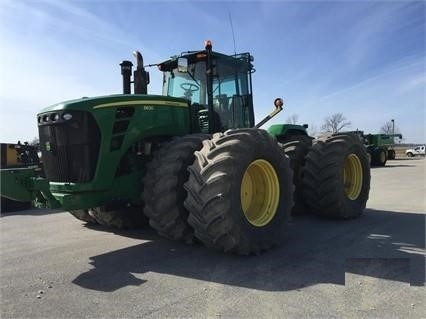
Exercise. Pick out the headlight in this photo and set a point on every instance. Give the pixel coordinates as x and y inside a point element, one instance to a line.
<point>67,116</point>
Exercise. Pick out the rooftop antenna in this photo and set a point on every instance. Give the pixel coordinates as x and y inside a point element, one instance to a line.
<point>233,35</point>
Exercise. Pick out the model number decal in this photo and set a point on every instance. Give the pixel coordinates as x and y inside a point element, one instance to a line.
<point>147,104</point>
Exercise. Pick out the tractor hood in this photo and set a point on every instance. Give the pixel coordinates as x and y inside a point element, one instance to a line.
<point>89,103</point>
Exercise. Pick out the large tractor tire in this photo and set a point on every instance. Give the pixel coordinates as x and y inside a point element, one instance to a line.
<point>369,158</point>
<point>391,154</point>
<point>337,177</point>
<point>125,217</point>
<point>83,214</point>
<point>297,148</point>
<point>379,157</point>
<point>164,193</point>
<point>240,192</point>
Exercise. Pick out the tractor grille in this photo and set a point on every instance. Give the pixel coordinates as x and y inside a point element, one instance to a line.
<point>69,142</point>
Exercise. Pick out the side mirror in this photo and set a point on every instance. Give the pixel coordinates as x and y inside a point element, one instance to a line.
<point>182,65</point>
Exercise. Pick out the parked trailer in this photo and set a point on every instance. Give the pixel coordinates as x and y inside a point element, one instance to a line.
<point>16,156</point>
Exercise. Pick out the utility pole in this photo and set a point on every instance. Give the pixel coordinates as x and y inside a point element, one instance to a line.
<point>393,131</point>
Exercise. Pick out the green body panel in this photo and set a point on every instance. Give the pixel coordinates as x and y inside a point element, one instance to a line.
<point>155,116</point>
<point>284,131</point>
<point>24,184</point>
<point>382,139</point>
<point>16,183</point>
<point>71,196</point>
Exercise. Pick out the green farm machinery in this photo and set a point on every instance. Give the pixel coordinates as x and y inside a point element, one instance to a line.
<point>191,161</point>
<point>18,155</point>
<point>380,147</point>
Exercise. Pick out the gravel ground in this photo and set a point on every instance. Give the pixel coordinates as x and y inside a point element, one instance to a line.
<point>53,266</point>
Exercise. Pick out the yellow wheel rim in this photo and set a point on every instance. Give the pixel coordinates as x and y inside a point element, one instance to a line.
<point>352,176</point>
<point>260,193</point>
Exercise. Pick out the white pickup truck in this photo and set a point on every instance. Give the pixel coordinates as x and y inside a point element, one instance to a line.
<point>418,150</point>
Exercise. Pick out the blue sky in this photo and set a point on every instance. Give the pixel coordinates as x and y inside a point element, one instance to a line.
<point>363,59</point>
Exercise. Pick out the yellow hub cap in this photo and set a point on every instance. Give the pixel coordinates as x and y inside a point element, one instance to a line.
<point>352,176</point>
<point>260,193</point>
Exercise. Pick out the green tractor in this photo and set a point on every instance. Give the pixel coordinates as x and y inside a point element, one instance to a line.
<point>380,147</point>
<point>191,161</point>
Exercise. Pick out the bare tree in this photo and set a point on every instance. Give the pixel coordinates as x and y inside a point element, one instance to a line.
<point>335,123</point>
<point>292,119</point>
<point>312,130</point>
<point>388,128</point>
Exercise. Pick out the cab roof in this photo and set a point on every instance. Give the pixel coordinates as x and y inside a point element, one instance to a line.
<point>242,61</point>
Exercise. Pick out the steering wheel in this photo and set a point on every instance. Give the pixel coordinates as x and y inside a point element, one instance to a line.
<point>189,87</point>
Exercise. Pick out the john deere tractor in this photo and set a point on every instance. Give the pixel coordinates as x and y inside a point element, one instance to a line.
<point>191,161</point>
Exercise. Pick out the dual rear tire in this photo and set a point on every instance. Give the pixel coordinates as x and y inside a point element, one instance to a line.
<point>337,177</point>
<point>164,193</point>
<point>232,192</point>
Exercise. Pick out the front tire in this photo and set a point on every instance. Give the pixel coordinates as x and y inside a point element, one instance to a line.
<point>125,217</point>
<point>163,187</point>
<point>337,177</point>
<point>83,215</point>
<point>240,192</point>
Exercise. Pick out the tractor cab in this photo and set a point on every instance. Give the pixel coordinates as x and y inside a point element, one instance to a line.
<point>216,86</point>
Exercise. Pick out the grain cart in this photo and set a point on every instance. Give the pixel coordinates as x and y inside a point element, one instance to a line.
<point>191,160</point>
<point>380,147</point>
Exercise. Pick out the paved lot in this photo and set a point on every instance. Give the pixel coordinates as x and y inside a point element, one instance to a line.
<point>52,266</point>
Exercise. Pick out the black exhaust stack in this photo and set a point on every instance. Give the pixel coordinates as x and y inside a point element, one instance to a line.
<point>126,72</point>
<point>140,76</point>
